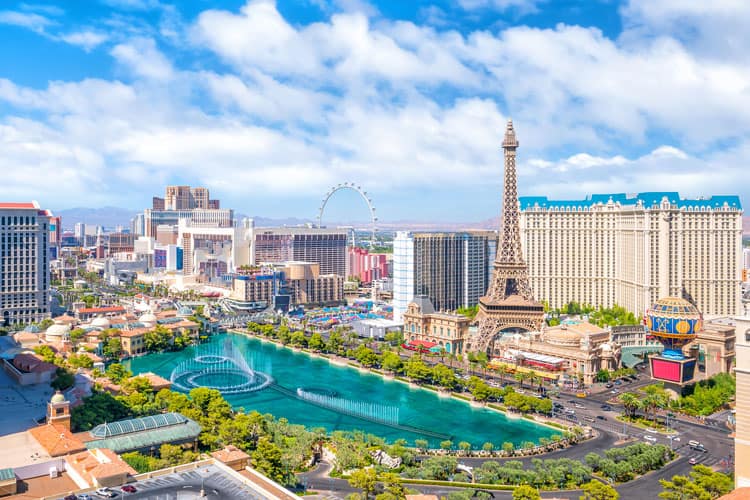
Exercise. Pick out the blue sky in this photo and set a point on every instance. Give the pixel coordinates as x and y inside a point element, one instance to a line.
<point>270,103</point>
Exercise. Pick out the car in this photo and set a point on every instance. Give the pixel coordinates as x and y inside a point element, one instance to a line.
<point>129,488</point>
<point>618,382</point>
<point>692,461</point>
<point>605,407</point>
<point>649,438</point>
<point>105,493</point>
<point>601,417</point>
<point>84,496</point>
<point>571,417</point>
<point>609,385</point>
<point>676,439</point>
<point>572,401</point>
<point>652,431</point>
<point>570,411</point>
<point>70,497</point>
<point>614,391</point>
<point>588,419</point>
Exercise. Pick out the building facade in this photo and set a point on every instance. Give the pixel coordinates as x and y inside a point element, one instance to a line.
<point>631,250</point>
<point>451,269</point>
<point>24,263</point>
<point>366,266</point>
<point>422,322</point>
<point>742,404</point>
<point>323,246</point>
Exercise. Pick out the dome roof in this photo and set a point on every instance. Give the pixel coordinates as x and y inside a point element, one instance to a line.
<point>673,316</point>
<point>57,331</point>
<point>101,322</point>
<point>147,318</point>
<point>57,398</point>
<point>562,336</point>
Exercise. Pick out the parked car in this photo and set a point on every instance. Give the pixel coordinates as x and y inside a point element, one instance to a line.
<point>84,496</point>
<point>105,493</point>
<point>692,461</point>
<point>579,406</point>
<point>614,391</point>
<point>129,488</point>
<point>70,497</point>
<point>601,417</point>
<point>570,411</point>
<point>609,385</point>
<point>618,382</point>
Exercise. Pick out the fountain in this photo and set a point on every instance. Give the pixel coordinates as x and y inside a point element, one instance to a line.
<point>374,412</point>
<point>222,368</point>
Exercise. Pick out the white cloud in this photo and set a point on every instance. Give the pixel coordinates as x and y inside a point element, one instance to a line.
<point>28,20</point>
<point>523,6</point>
<point>141,57</point>
<point>88,40</point>
<point>390,105</point>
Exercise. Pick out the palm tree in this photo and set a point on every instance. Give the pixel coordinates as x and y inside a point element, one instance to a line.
<point>503,370</point>
<point>520,376</point>
<point>631,403</point>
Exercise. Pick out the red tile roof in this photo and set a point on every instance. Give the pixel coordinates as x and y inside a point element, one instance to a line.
<point>94,310</point>
<point>10,204</point>
<point>99,463</point>
<point>56,440</point>
<point>230,454</point>
<point>31,363</point>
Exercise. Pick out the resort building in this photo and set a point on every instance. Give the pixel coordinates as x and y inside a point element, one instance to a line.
<point>326,247</point>
<point>307,285</point>
<point>742,404</point>
<point>366,266</point>
<point>451,269</point>
<point>24,261</point>
<point>572,352</point>
<point>631,250</point>
<point>423,324</point>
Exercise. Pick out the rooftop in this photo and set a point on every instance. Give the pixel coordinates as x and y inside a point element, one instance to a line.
<point>138,424</point>
<point>648,199</point>
<point>142,433</point>
<point>18,205</point>
<point>229,454</point>
<point>56,440</point>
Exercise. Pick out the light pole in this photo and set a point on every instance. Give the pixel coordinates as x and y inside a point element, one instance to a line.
<point>670,437</point>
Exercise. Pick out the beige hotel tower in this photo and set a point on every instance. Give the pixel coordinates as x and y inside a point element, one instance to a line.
<point>632,249</point>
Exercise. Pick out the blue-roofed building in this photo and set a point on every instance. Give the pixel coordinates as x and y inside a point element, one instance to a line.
<point>632,249</point>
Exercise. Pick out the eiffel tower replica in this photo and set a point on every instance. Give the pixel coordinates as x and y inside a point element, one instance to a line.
<point>509,303</point>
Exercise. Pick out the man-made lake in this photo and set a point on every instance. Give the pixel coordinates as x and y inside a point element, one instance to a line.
<point>311,391</point>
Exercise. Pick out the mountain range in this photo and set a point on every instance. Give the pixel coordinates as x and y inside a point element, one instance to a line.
<point>111,217</point>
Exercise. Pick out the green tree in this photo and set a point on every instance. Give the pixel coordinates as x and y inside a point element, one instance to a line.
<point>64,380</point>
<point>335,342</point>
<point>76,335</point>
<point>116,373</point>
<point>158,339</point>
<point>391,362</point>
<point>112,348</point>
<point>365,356</point>
<point>80,361</point>
<point>46,352</point>
<point>364,479</point>
<point>488,446</point>
<point>465,447</point>
<point>421,444</point>
<point>508,447</point>
<point>267,460</point>
<point>298,339</point>
<point>702,484</point>
<point>394,338</point>
<point>444,377</point>
<point>446,445</point>
<point>526,492</point>
<point>596,490</point>
<point>316,342</point>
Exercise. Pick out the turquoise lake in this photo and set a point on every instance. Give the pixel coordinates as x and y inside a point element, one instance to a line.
<point>316,393</point>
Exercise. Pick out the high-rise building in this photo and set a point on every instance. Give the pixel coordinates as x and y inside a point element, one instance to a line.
<point>323,246</point>
<point>137,225</point>
<point>631,250</point>
<point>366,266</point>
<point>184,203</point>
<point>55,236</point>
<point>451,269</point>
<point>24,263</point>
<point>742,403</point>
<point>746,258</point>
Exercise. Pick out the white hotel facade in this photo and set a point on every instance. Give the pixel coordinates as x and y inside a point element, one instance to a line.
<point>631,250</point>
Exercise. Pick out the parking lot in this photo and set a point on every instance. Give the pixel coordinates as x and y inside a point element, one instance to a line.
<point>187,485</point>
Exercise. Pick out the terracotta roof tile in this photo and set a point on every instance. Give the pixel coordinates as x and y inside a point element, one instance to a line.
<point>56,440</point>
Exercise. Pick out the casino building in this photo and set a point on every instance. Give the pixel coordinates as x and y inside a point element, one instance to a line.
<point>689,343</point>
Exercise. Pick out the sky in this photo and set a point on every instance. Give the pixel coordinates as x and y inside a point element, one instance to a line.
<point>271,103</point>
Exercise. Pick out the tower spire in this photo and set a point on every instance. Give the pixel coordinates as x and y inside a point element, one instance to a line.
<point>509,302</point>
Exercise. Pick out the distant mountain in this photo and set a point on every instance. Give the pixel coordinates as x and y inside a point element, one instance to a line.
<point>108,217</point>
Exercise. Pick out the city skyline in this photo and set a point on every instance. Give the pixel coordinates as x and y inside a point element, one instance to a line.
<point>409,101</point>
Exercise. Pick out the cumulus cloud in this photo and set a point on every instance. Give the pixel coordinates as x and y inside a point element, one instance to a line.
<point>88,40</point>
<point>28,20</point>
<point>282,109</point>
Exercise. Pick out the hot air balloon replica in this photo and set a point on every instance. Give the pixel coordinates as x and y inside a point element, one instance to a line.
<point>674,322</point>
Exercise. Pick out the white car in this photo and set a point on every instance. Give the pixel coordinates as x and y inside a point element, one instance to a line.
<point>105,493</point>
<point>578,405</point>
<point>676,439</point>
<point>649,438</point>
<point>652,431</point>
